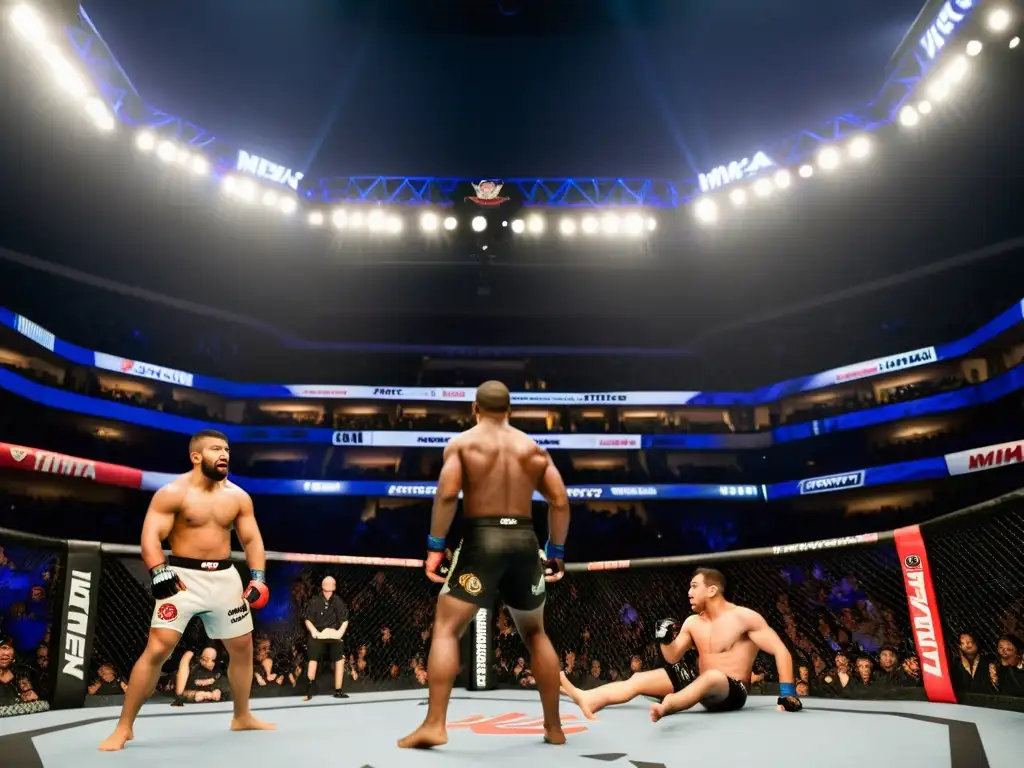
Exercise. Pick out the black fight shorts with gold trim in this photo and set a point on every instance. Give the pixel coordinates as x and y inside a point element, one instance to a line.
<point>497,557</point>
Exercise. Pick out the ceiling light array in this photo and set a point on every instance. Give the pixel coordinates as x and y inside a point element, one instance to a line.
<point>34,31</point>
<point>937,88</point>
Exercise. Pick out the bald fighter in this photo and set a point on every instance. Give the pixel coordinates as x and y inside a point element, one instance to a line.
<point>498,468</point>
<point>727,638</point>
<point>196,513</point>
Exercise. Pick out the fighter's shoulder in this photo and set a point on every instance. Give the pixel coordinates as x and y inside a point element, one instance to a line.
<point>239,493</point>
<point>173,491</point>
<point>749,616</point>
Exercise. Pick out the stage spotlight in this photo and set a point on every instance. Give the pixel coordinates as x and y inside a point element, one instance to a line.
<point>652,224</point>
<point>634,224</point>
<point>67,76</point>
<point>567,227</point>
<point>706,210</point>
<point>1014,43</point>
<point>806,171</point>
<point>375,220</point>
<point>395,224</point>
<point>356,220</point>
<point>270,198</point>
<point>611,224</point>
<point>145,141</point>
<point>974,47</point>
<point>246,190</point>
<point>909,116</point>
<point>535,223</point>
<point>957,70</point>
<point>428,222</point>
<point>167,151</point>
<point>783,179</point>
<point>738,197</point>
<point>288,205</point>
<point>340,219</point>
<point>450,223</point>
<point>99,113</point>
<point>938,90</point>
<point>860,147</point>
<point>763,188</point>
<point>28,23</point>
<point>589,225</point>
<point>200,165</point>
<point>316,218</point>
<point>999,20</point>
<point>518,226</point>
<point>479,223</point>
<point>925,107</point>
<point>828,159</point>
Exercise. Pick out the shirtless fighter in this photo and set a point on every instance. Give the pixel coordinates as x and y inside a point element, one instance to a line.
<point>498,467</point>
<point>727,638</point>
<point>196,512</point>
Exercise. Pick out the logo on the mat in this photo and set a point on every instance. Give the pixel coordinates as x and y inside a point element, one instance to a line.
<point>18,453</point>
<point>912,561</point>
<point>470,583</point>
<point>487,193</point>
<point>167,612</point>
<point>209,566</point>
<point>514,724</point>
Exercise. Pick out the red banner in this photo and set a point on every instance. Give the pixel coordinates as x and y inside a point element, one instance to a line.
<point>924,615</point>
<point>35,460</point>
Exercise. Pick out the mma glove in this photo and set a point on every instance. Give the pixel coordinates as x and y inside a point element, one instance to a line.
<point>166,583</point>
<point>788,699</point>
<point>553,560</point>
<point>257,594</point>
<point>666,630</point>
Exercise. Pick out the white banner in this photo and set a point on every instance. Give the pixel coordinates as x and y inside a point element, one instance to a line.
<point>143,370</point>
<point>989,457</point>
<point>467,395</point>
<point>904,360</point>
<point>440,439</point>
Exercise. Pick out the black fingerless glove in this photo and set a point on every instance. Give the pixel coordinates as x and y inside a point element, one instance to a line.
<point>165,582</point>
<point>666,630</point>
<point>789,700</point>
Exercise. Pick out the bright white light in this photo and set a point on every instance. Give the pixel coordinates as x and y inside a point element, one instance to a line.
<point>316,218</point>
<point>28,23</point>
<point>99,113</point>
<point>938,90</point>
<point>567,227</point>
<point>518,226</point>
<point>806,171</point>
<point>340,219</point>
<point>957,70</point>
<point>535,223</point>
<point>828,158</point>
<point>167,151</point>
<point>270,198</point>
<point>246,190</point>
<point>651,225</point>
<point>999,20</point>
<point>356,220</point>
<point>909,116</point>
<point>450,223</point>
<point>634,224</point>
<point>707,210</point>
<point>925,107</point>
<point>783,179</point>
<point>376,221</point>
<point>429,222</point>
<point>860,147</point>
<point>395,224</point>
<point>504,224</point>
<point>479,223</point>
<point>230,184</point>
<point>145,141</point>
<point>200,165</point>
<point>611,224</point>
<point>288,205</point>
<point>67,76</point>
<point>589,225</point>
<point>763,187</point>
<point>738,197</point>
<point>974,47</point>
<point>1014,43</point>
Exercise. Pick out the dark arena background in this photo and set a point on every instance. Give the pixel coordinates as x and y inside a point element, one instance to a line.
<point>769,319</point>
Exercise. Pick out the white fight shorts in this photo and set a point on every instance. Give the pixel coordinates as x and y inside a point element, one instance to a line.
<point>213,591</point>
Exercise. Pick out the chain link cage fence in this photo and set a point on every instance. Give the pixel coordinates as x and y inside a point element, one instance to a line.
<point>842,612</point>
<point>390,605</point>
<point>977,562</point>
<point>31,587</point>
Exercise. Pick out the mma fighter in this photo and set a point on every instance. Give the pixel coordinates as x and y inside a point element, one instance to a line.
<point>727,638</point>
<point>196,513</point>
<point>498,467</point>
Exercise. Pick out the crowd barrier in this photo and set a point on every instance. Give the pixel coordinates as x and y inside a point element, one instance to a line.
<point>880,615</point>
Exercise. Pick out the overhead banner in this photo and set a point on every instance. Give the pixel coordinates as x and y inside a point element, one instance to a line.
<point>35,460</point>
<point>143,370</point>
<point>881,365</point>
<point>989,457</point>
<point>467,395</point>
<point>574,442</point>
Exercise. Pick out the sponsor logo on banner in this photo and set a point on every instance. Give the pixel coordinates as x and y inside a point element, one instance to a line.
<point>945,24</point>
<point>262,168</point>
<point>321,487</point>
<point>989,457</point>
<point>609,398</point>
<point>924,618</point>
<point>412,490</point>
<point>467,395</point>
<point>584,493</point>
<point>488,194</point>
<point>76,625</point>
<point>55,463</point>
<point>548,442</point>
<point>890,364</point>
<point>142,370</point>
<point>432,440</point>
<point>349,438</point>
<point>37,333</point>
<point>622,441</point>
<point>814,546</point>
<point>737,170</point>
<point>634,490</point>
<point>841,482</point>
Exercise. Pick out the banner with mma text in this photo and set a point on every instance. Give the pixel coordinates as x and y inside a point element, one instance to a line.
<point>76,626</point>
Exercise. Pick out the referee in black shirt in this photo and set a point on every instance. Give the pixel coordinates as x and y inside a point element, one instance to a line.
<point>326,619</point>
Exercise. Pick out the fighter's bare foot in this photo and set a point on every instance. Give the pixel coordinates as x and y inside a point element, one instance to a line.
<point>116,741</point>
<point>554,735</point>
<point>658,711</point>
<point>425,737</point>
<point>578,696</point>
<point>250,723</point>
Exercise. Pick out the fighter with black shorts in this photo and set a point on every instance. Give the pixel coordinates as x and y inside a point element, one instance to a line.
<point>498,468</point>
<point>724,676</point>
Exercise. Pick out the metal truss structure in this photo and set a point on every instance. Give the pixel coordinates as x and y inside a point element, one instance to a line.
<point>117,89</point>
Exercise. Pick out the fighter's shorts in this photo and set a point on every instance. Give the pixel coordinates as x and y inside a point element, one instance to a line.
<point>498,556</point>
<point>736,698</point>
<point>213,591</point>
<point>680,674</point>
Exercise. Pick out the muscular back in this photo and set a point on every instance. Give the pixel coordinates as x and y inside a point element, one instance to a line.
<point>501,468</point>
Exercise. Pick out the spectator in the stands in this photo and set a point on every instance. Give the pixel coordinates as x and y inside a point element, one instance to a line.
<point>9,693</point>
<point>41,680</point>
<point>970,674</point>
<point>37,605</point>
<point>865,666</point>
<point>1007,672</point>
<point>25,690</point>
<point>107,682</point>
<point>889,672</point>
<point>202,681</point>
